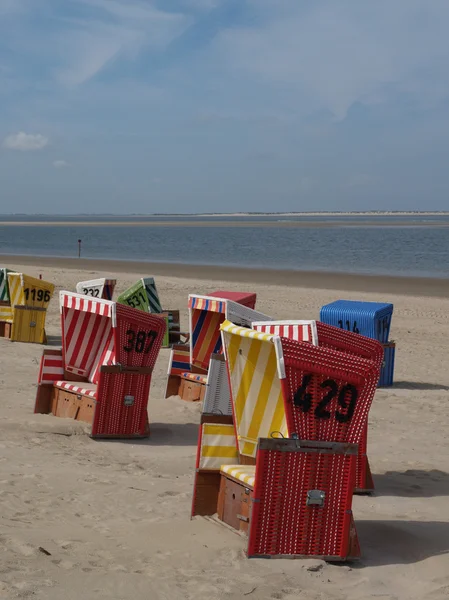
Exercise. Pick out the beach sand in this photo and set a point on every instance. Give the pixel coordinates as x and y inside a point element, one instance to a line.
<point>110,519</point>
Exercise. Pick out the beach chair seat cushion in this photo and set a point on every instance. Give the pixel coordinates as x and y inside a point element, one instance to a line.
<point>195,377</point>
<point>86,389</point>
<point>243,473</point>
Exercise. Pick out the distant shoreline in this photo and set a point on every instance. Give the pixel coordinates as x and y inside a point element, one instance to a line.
<point>368,213</point>
<point>349,282</point>
<point>222,223</point>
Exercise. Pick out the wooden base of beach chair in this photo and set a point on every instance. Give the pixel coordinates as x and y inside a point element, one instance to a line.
<point>235,503</point>
<point>205,497</point>
<point>29,324</point>
<point>5,329</point>
<point>191,391</point>
<point>44,399</point>
<point>71,405</point>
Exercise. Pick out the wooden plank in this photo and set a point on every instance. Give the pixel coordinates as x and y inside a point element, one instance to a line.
<point>207,487</point>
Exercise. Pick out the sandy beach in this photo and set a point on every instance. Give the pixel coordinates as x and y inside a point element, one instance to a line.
<point>93,520</point>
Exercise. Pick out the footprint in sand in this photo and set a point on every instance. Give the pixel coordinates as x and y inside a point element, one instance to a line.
<point>168,493</point>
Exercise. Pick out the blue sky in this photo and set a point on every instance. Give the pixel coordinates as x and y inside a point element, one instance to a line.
<point>223,105</point>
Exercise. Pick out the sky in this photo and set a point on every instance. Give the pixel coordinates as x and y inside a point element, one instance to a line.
<point>182,106</point>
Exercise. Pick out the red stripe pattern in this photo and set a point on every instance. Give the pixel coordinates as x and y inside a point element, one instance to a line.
<point>300,333</point>
<point>77,389</point>
<point>51,369</point>
<point>86,334</point>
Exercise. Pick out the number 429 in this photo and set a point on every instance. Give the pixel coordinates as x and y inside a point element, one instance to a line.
<point>303,399</point>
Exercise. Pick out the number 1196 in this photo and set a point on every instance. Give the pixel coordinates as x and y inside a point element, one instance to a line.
<point>39,295</point>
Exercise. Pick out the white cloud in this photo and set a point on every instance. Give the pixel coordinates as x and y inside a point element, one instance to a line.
<point>108,30</point>
<point>60,164</point>
<point>25,141</point>
<point>127,10</point>
<point>88,53</point>
<point>333,54</point>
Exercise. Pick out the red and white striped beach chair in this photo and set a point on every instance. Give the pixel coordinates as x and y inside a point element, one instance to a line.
<point>299,413</point>
<point>102,374</point>
<point>327,336</point>
<point>189,364</point>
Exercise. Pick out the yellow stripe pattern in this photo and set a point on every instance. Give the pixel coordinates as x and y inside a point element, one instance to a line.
<point>255,385</point>
<point>6,314</point>
<point>244,473</point>
<point>218,446</point>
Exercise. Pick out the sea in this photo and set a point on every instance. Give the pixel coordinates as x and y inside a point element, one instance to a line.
<point>412,245</point>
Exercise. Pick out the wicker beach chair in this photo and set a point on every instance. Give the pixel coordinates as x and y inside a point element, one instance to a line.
<point>143,295</point>
<point>22,316</point>
<point>348,342</point>
<point>102,374</point>
<point>370,319</point>
<point>97,288</point>
<point>206,313</point>
<point>299,413</point>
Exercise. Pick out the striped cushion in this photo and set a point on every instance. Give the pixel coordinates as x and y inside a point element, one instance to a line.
<point>244,473</point>
<point>218,446</point>
<point>51,369</point>
<point>195,377</point>
<point>77,389</point>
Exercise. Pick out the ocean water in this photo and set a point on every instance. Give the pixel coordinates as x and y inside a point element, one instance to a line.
<point>395,245</point>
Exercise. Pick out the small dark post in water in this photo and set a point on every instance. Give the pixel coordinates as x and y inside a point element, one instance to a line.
<point>79,248</point>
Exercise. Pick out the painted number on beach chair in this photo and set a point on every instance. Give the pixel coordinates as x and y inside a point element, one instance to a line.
<point>347,399</point>
<point>39,295</point>
<point>91,292</point>
<point>140,341</point>
<point>136,300</point>
<point>348,326</point>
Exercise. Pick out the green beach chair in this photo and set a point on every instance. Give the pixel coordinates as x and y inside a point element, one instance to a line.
<point>142,295</point>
